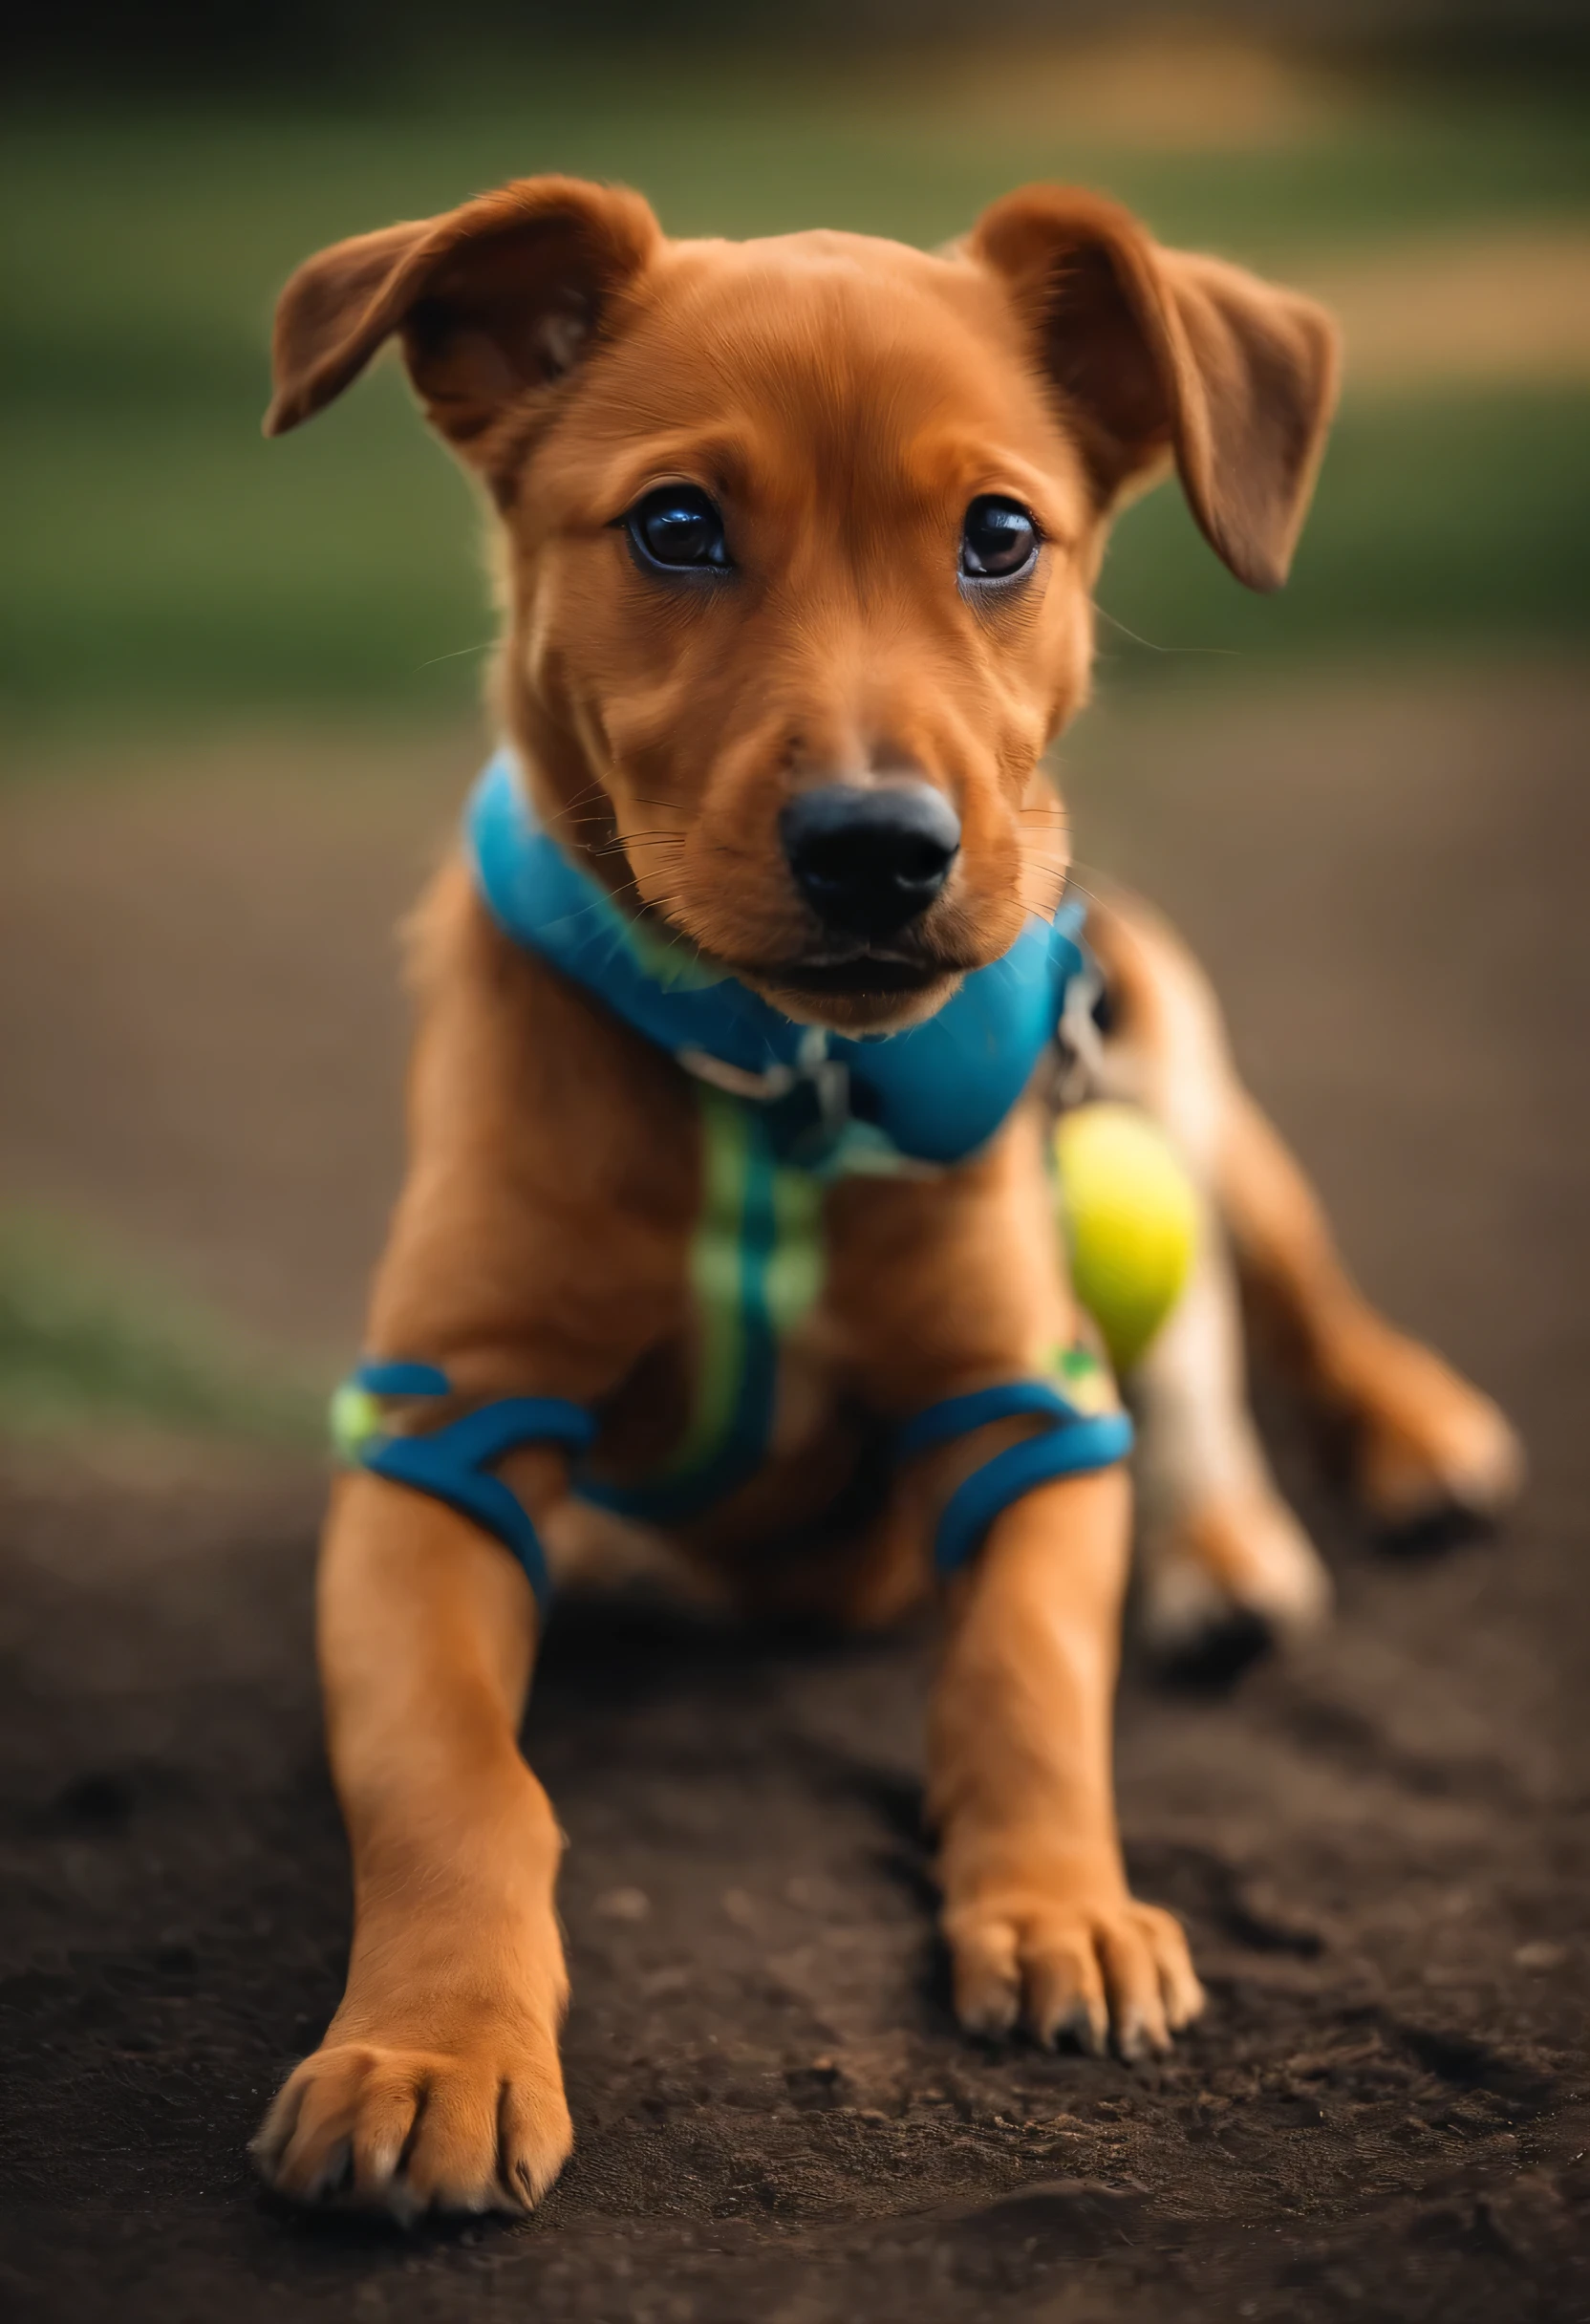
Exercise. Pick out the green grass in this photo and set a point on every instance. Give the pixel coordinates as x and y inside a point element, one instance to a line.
<point>90,1339</point>
<point>160,555</point>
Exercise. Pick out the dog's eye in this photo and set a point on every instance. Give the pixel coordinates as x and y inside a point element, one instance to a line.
<point>999,539</point>
<point>678,525</point>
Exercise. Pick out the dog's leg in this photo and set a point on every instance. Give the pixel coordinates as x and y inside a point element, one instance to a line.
<point>438,2084</point>
<point>1226,1565</point>
<point>1426,1444</point>
<point>538,1247</point>
<point>1040,1921</point>
<point>1426,1447</point>
<point>940,1287</point>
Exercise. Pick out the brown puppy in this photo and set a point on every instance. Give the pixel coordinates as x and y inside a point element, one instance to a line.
<point>778,522</point>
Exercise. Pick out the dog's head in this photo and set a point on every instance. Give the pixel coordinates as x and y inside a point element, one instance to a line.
<point>799,537</point>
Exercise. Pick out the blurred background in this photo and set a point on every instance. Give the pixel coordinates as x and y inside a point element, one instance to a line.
<point>239,682</point>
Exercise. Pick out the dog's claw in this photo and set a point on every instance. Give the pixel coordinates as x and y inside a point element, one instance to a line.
<point>1086,2028</point>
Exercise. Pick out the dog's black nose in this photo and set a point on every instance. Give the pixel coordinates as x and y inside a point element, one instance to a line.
<point>870,861</point>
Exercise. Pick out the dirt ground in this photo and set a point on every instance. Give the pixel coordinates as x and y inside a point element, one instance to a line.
<point>1382,1850</point>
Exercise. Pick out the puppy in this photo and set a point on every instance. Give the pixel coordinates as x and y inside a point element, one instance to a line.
<point>727,1237</point>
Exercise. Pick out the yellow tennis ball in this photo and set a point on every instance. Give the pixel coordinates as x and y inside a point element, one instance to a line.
<point>1129,1211</point>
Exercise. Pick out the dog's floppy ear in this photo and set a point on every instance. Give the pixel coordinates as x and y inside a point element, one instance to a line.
<point>492,300</point>
<point>1157,351</point>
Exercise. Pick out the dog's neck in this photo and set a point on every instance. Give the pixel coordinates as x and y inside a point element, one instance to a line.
<point>928,1095</point>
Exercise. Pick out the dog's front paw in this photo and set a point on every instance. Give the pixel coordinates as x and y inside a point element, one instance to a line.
<point>1072,1967</point>
<point>410,2131</point>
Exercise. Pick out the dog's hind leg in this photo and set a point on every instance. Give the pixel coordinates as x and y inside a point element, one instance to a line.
<point>1224,1566</point>
<point>1426,1447</point>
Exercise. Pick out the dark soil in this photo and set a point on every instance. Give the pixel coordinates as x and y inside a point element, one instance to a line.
<point>1383,1850</point>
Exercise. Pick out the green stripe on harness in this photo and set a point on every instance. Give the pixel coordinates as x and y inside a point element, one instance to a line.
<point>755,1268</point>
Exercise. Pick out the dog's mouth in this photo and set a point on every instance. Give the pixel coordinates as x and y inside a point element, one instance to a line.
<point>856,972</point>
<point>866,971</point>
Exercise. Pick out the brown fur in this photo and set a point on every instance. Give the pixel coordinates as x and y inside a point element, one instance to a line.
<point>842,399</point>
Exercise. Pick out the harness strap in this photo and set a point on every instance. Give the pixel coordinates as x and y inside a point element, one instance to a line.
<point>453,1463</point>
<point>1074,1444</point>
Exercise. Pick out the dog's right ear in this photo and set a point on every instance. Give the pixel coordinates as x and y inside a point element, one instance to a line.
<point>494,301</point>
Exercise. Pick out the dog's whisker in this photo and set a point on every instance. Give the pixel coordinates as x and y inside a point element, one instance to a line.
<point>1089,894</point>
<point>567,811</point>
<point>487,646</point>
<point>1152,646</point>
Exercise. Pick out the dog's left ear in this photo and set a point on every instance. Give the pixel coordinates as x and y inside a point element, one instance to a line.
<point>1160,353</point>
<point>492,302</point>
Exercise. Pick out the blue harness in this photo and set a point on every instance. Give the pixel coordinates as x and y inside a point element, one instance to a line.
<point>817,1105</point>
<point>933,1094</point>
